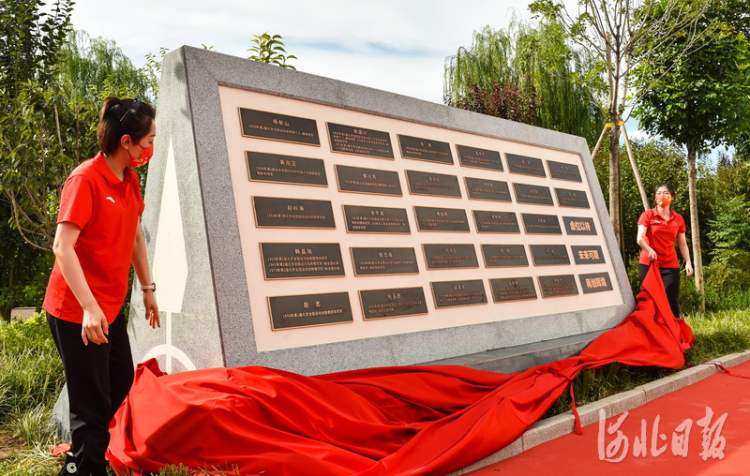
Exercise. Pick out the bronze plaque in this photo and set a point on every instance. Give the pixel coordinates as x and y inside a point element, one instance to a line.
<point>504,256</point>
<point>301,260</point>
<point>450,256</point>
<point>572,198</point>
<point>360,141</point>
<point>270,125</point>
<point>425,149</point>
<point>519,164</point>
<point>547,255</point>
<point>512,289</point>
<point>587,254</point>
<point>285,169</point>
<point>357,179</point>
<point>557,286</point>
<point>396,302</point>
<point>496,222</point>
<point>595,282</point>
<point>579,226</point>
<point>305,310</point>
<point>293,213</point>
<point>534,194</point>
<point>364,219</point>
<point>479,158</point>
<point>427,183</point>
<point>441,219</point>
<point>541,224</point>
<point>482,189</point>
<point>458,293</point>
<point>562,171</point>
<point>373,261</point>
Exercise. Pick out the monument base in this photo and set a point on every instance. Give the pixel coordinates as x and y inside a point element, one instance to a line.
<point>522,357</point>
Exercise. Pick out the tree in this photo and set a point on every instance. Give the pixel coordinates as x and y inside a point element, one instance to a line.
<point>612,31</point>
<point>270,50</point>
<point>702,99</point>
<point>526,74</point>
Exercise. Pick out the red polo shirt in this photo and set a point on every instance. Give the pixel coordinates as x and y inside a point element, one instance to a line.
<point>106,210</point>
<point>661,235</point>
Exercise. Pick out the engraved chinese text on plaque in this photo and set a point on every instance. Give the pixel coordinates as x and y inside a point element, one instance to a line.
<point>481,189</point>
<point>360,141</point>
<point>293,213</point>
<point>504,256</point>
<point>395,302</point>
<point>512,289</point>
<point>587,254</point>
<point>301,260</point>
<point>306,310</point>
<point>541,224</point>
<point>270,125</point>
<point>458,293</point>
<point>479,158</point>
<point>441,219</point>
<point>558,286</point>
<point>519,164</point>
<point>361,180</point>
<point>562,171</point>
<point>364,219</point>
<point>579,226</point>
<point>384,261</point>
<point>534,194</point>
<point>450,256</point>
<point>572,198</point>
<point>426,183</point>
<point>595,282</point>
<point>274,168</point>
<point>425,149</point>
<point>496,222</point>
<point>547,255</point>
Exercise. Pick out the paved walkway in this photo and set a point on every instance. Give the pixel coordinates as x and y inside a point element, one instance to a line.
<point>586,454</point>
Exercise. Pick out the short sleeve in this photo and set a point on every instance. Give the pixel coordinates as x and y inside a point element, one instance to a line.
<point>643,220</point>
<point>682,226</point>
<point>137,187</point>
<point>76,201</point>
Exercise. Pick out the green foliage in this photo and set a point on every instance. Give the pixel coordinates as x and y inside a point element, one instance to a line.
<point>527,74</point>
<point>270,50</point>
<point>93,68</point>
<point>703,98</point>
<point>30,41</point>
<point>31,373</point>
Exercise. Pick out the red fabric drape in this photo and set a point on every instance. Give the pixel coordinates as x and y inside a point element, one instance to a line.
<point>413,420</point>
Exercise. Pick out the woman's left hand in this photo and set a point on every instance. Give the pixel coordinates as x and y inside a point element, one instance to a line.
<point>152,310</point>
<point>688,269</point>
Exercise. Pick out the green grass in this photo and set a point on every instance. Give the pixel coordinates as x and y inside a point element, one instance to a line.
<point>31,378</point>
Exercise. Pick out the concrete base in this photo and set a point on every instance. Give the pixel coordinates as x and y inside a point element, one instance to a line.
<point>522,357</point>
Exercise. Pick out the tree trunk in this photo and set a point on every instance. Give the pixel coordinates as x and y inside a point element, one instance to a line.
<point>695,226</point>
<point>615,189</point>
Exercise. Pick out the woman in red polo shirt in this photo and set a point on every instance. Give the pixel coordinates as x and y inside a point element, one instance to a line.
<point>658,230</point>
<point>98,237</point>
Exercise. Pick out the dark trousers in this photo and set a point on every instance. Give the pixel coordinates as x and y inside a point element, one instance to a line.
<point>99,378</point>
<point>671,278</point>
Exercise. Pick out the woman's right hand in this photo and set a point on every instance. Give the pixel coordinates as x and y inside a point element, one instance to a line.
<point>95,327</point>
<point>652,254</point>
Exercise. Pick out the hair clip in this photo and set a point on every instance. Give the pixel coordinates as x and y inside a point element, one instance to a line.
<point>133,109</point>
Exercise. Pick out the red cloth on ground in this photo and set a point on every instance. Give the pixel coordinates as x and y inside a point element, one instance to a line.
<point>383,421</point>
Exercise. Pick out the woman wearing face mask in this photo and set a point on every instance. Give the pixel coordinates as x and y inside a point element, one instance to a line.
<point>658,229</point>
<point>98,237</point>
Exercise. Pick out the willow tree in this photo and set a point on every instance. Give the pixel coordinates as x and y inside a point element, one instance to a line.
<point>611,31</point>
<point>542,81</point>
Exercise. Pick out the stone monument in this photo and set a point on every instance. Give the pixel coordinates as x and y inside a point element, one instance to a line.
<point>312,225</point>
